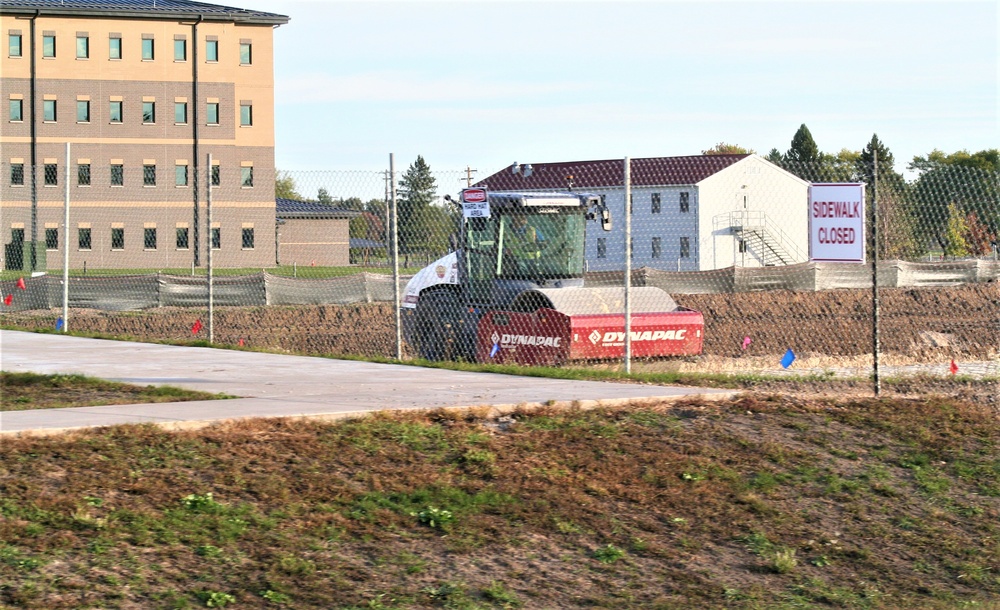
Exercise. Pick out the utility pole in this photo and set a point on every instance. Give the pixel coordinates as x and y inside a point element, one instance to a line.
<point>468,175</point>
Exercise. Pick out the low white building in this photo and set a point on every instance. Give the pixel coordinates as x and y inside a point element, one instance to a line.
<point>691,213</point>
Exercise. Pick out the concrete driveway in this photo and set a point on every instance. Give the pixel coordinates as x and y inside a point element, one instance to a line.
<point>274,385</point>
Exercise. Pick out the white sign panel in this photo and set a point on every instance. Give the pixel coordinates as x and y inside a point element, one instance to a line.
<point>837,222</point>
<point>475,203</point>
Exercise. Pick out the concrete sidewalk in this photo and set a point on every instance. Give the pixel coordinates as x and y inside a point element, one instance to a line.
<point>274,385</point>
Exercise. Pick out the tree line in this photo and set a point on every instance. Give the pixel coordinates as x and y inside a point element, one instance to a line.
<point>951,208</point>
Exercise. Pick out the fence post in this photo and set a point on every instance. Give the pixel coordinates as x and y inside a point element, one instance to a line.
<point>65,290</point>
<point>208,253</point>
<point>875,304</point>
<point>628,266</point>
<point>395,259</point>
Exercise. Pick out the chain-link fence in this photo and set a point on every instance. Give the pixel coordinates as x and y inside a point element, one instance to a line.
<point>722,263</point>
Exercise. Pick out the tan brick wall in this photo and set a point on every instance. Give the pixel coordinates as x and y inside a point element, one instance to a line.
<point>100,79</point>
<point>305,241</point>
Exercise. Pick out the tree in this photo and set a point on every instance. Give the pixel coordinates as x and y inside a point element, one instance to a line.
<point>955,231</point>
<point>284,186</point>
<point>897,225</point>
<point>970,181</point>
<point>804,149</point>
<point>723,148</point>
<point>775,157</point>
<point>323,196</point>
<point>417,189</point>
<point>801,159</point>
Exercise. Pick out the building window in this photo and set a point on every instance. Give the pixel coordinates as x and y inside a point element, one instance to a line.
<point>182,238</point>
<point>180,175</point>
<point>51,239</point>
<point>685,247</point>
<point>149,112</point>
<point>685,201</point>
<point>17,174</point>
<point>117,174</point>
<point>147,48</point>
<point>180,50</point>
<point>83,174</point>
<point>246,115</point>
<point>212,50</point>
<point>216,175</point>
<point>83,238</point>
<point>49,45</point>
<point>51,174</point>
<point>657,248</point>
<point>115,112</point>
<point>117,238</point>
<point>17,110</point>
<point>49,111</point>
<point>83,47</point>
<point>246,54</point>
<point>216,238</point>
<point>248,238</point>
<point>82,111</point>
<point>741,246</point>
<point>602,247</point>
<point>149,238</point>
<point>149,175</point>
<point>115,47</point>
<point>14,45</point>
<point>246,180</point>
<point>212,114</point>
<point>655,206</point>
<point>180,113</point>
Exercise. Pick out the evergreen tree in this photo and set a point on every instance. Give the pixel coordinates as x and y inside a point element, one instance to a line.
<point>804,149</point>
<point>417,189</point>
<point>775,157</point>
<point>898,223</point>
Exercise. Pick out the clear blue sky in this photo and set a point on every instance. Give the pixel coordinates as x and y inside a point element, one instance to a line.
<point>489,83</point>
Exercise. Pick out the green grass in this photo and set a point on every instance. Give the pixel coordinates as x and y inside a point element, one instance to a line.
<point>24,391</point>
<point>636,506</point>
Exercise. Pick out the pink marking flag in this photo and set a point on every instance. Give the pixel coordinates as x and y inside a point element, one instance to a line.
<point>953,368</point>
<point>196,327</point>
<point>241,342</point>
<point>20,283</point>
<point>746,342</point>
<point>7,300</point>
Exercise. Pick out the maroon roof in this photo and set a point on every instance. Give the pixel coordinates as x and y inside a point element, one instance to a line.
<point>656,171</point>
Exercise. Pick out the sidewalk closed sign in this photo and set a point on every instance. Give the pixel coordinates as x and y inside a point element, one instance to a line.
<point>837,222</point>
<point>475,203</point>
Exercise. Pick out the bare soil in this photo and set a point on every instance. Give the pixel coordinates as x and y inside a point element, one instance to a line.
<point>917,324</point>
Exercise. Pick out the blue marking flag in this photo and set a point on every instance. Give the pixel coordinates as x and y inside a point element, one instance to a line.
<point>496,348</point>
<point>59,323</point>
<point>788,359</point>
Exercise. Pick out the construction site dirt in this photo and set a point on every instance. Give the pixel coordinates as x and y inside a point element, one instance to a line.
<point>915,324</point>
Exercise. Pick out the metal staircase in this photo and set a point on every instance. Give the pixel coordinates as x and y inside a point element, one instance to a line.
<point>763,239</point>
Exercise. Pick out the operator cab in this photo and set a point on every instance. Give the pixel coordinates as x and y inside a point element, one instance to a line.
<point>528,239</point>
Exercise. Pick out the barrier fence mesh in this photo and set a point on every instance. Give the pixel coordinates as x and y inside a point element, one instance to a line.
<point>735,263</point>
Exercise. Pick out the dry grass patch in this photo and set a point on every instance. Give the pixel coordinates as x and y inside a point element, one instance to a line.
<point>761,502</point>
